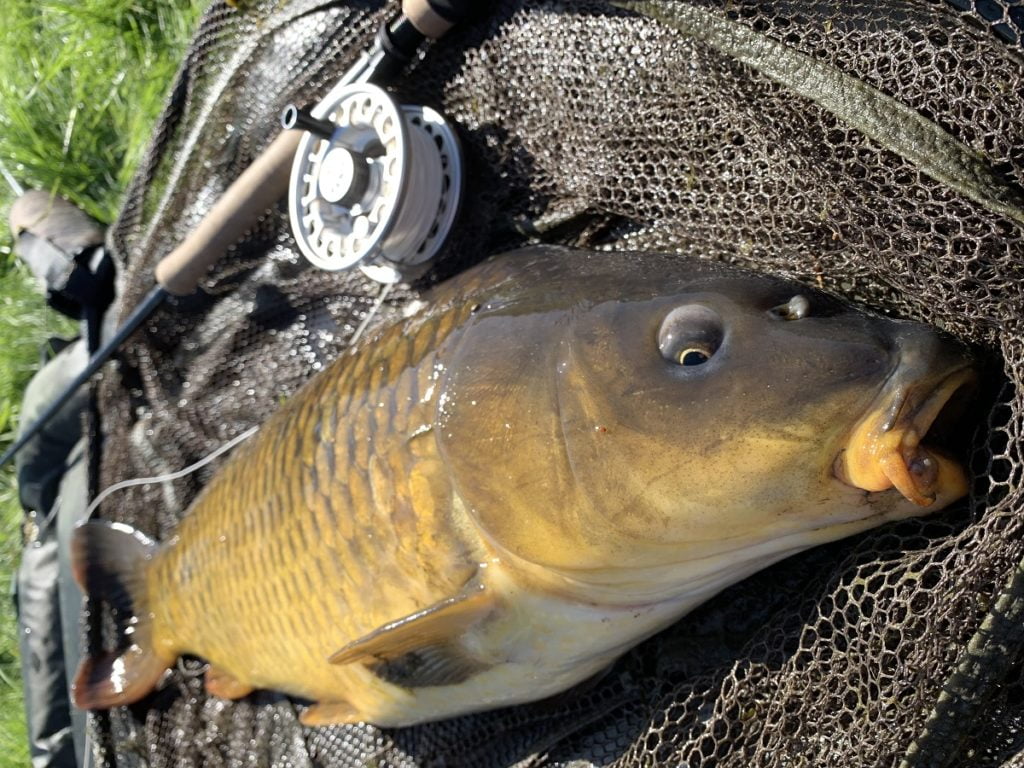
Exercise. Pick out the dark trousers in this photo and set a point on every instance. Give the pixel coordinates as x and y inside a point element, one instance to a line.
<point>53,488</point>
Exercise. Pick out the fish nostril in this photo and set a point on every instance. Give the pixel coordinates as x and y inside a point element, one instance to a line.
<point>797,308</point>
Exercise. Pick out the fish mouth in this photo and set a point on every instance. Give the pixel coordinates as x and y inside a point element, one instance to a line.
<point>898,445</point>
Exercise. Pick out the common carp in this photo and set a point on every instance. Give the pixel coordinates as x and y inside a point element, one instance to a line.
<point>491,501</point>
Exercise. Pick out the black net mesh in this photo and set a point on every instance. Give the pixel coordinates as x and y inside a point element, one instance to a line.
<point>873,149</point>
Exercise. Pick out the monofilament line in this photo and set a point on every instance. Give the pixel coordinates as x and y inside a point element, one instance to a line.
<point>384,291</point>
<point>173,475</point>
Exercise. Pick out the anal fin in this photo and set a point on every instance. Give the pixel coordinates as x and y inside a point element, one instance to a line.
<point>330,713</point>
<point>223,685</point>
<point>437,626</point>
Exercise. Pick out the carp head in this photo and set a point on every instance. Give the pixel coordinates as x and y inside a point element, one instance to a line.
<point>642,424</point>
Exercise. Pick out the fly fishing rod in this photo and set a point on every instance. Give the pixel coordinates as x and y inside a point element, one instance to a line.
<point>348,175</point>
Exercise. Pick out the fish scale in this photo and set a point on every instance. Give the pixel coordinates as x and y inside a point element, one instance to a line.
<point>375,530</point>
<point>491,501</point>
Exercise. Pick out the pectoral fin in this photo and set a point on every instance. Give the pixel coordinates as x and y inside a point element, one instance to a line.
<point>422,649</point>
<point>331,713</point>
<point>442,664</point>
<point>436,625</point>
<point>221,684</point>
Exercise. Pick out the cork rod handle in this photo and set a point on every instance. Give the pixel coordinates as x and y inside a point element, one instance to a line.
<point>259,188</point>
<point>435,17</point>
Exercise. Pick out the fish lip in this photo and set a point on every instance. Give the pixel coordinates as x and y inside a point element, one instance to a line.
<point>885,452</point>
<point>922,416</point>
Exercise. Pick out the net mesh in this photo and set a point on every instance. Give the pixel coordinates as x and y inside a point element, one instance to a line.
<point>873,149</point>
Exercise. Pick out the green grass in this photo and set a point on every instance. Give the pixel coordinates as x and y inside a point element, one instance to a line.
<point>81,84</point>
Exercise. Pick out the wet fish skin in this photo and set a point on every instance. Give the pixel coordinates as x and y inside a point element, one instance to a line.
<point>493,500</point>
<point>348,496</point>
<point>775,403</point>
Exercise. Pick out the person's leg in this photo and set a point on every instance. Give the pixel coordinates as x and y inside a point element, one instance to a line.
<point>41,468</point>
<point>48,717</point>
<point>62,247</point>
<point>72,502</point>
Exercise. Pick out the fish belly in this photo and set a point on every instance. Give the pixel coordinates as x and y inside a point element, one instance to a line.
<point>538,645</point>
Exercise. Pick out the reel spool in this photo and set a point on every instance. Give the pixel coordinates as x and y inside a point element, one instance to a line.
<point>375,185</point>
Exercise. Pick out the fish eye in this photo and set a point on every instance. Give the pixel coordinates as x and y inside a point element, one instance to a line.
<point>689,336</point>
<point>694,356</point>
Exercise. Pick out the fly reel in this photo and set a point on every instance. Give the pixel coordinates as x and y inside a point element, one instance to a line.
<point>375,184</point>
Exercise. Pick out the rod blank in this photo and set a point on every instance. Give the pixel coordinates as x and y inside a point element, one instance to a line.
<point>153,300</point>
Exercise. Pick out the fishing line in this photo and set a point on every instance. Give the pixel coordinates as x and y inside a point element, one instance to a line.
<point>158,479</point>
<point>170,476</point>
<point>384,291</point>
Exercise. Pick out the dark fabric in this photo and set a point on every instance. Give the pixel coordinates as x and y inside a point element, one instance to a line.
<point>74,283</point>
<point>51,482</point>
<point>42,655</point>
<point>40,464</point>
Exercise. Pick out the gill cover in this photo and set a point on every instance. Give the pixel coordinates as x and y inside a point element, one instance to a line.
<point>675,410</point>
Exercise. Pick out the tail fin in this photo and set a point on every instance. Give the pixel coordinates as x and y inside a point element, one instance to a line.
<point>109,562</point>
